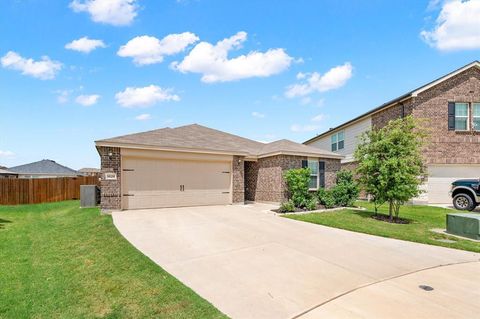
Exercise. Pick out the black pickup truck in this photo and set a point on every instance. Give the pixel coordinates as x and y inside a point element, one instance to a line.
<point>466,194</point>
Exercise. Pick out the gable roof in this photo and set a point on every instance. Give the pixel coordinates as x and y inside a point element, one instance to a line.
<point>46,167</point>
<point>198,138</point>
<point>412,93</point>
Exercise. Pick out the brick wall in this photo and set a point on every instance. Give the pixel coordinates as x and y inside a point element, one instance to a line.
<point>400,110</point>
<point>431,107</point>
<point>264,178</point>
<point>111,196</point>
<point>238,178</point>
<point>449,147</point>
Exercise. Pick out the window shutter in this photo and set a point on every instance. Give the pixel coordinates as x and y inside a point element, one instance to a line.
<point>321,173</point>
<point>304,163</point>
<point>451,116</point>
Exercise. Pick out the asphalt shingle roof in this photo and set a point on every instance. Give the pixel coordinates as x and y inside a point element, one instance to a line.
<point>45,166</point>
<point>199,137</point>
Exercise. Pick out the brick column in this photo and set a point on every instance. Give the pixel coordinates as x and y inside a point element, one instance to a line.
<point>238,179</point>
<point>332,166</point>
<point>111,196</point>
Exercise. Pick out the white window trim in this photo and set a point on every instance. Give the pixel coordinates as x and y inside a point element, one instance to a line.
<point>337,140</point>
<point>477,129</point>
<point>343,140</point>
<point>467,117</point>
<point>317,174</point>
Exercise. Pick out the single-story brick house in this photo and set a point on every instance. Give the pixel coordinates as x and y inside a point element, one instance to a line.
<point>196,165</point>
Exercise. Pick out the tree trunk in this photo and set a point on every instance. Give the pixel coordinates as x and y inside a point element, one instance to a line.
<point>390,210</point>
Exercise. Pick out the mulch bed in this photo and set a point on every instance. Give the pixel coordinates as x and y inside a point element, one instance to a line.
<point>298,210</point>
<point>386,218</point>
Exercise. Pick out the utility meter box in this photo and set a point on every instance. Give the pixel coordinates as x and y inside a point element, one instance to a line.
<point>465,225</point>
<point>89,195</point>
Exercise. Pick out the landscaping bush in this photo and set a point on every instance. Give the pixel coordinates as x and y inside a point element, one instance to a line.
<point>287,207</point>
<point>297,182</point>
<point>326,197</point>
<point>311,204</point>
<point>346,191</point>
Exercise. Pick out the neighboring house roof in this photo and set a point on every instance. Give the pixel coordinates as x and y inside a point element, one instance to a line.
<point>401,98</point>
<point>89,170</point>
<point>199,138</point>
<point>290,147</point>
<point>6,172</point>
<point>44,167</point>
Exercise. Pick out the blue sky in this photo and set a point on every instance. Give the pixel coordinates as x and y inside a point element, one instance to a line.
<point>284,69</point>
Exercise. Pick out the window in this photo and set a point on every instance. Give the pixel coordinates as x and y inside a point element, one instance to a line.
<point>334,142</point>
<point>476,116</point>
<point>313,165</point>
<point>338,141</point>
<point>461,117</point>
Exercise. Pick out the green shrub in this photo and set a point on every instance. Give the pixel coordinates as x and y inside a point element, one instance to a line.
<point>297,182</point>
<point>287,207</point>
<point>326,198</point>
<point>311,204</point>
<point>346,190</point>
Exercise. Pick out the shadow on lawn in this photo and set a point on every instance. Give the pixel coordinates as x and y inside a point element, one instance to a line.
<point>382,217</point>
<point>3,222</point>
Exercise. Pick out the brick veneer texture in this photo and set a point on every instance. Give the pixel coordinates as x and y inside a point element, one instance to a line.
<point>238,178</point>
<point>264,178</point>
<point>431,107</point>
<point>111,196</point>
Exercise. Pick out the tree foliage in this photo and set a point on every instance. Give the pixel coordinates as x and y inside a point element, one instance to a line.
<point>390,165</point>
<point>297,182</point>
<point>346,190</point>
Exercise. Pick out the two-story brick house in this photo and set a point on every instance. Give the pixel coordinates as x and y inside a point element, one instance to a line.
<point>450,108</point>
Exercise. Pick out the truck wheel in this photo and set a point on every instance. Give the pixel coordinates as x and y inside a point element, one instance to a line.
<point>463,202</point>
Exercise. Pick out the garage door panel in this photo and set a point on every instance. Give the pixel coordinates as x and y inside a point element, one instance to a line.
<point>155,183</point>
<point>176,199</point>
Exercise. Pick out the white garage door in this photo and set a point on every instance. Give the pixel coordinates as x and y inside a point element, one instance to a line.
<point>441,177</point>
<point>156,183</point>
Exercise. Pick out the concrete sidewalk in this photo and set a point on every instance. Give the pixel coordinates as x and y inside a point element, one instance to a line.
<point>252,264</point>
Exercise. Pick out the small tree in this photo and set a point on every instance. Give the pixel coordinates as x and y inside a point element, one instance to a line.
<point>390,165</point>
<point>297,182</point>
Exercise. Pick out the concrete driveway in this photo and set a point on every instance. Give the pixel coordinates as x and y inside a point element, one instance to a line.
<point>250,263</point>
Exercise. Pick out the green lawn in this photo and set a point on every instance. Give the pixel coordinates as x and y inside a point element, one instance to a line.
<point>423,218</point>
<point>59,261</point>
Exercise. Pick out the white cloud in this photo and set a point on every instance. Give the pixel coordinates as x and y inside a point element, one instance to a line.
<point>87,100</point>
<point>148,50</point>
<point>316,82</point>
<point>258,115</point>
<point>213,63</point>
<point>6,153</point>
<point>144,96</point>
<point>318,118</point>
<point>63,96</point>
<point>85,45</point>
<point>457,27</point>
<point>114,12</point>
<point>45,69</point>
<point>306,100</point>
<point>303,128</point>
<point>143,117</point>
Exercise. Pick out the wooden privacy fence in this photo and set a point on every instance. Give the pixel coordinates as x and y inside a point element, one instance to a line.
<point>14,191</point>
